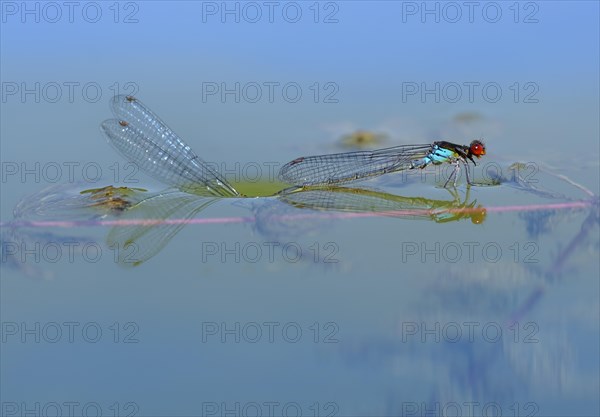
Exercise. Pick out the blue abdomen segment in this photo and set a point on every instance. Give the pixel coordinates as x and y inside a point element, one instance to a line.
<point>438,155</point>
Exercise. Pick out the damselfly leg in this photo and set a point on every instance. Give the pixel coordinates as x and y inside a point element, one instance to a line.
<point>456,172</point>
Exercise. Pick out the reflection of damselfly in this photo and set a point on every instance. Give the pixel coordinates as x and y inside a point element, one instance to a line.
<point>357,200</point>
<point>139,135</point>
<point>339,168</point>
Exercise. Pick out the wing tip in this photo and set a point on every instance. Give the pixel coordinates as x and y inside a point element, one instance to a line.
<point>119,102</point>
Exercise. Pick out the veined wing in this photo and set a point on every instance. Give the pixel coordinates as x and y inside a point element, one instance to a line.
<point>338,168</point>
<point>356,200</point>
<point>141,137</point>
<point>141,242</point>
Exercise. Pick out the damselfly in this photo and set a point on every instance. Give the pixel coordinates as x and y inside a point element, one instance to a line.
<point>141,137</point>
<point>357,200</point>
<point>339,168</point>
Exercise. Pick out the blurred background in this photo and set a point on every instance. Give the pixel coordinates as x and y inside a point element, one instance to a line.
<point>250,86</point>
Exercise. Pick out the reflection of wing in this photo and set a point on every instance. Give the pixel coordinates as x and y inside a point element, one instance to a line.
<point>67,202</point>
<point>141,137</point>
<point>350,166</point>
<point>62,202</point>
<point>137,243</point>
<point>358,200</point>
<point>352,200</point>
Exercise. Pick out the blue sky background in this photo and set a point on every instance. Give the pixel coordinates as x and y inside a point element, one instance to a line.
<point>368,54</point>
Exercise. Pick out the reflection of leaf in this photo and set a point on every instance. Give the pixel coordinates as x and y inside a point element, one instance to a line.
<point>466,125</point>
<point>361,139</point>
<point>467,117</point>
<point>137,243</point>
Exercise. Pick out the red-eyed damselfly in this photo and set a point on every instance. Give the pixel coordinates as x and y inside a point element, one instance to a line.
<point>335,169</point>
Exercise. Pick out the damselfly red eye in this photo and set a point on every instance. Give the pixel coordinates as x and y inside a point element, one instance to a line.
<point>477,148</point>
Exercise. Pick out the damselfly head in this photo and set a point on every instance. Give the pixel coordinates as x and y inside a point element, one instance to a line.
<point>478,216</point>
<point>477,148</point>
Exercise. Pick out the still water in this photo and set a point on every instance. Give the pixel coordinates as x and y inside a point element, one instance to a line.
<point>125,293</point>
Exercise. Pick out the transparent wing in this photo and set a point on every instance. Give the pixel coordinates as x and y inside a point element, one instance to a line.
<point>141,137</point>
<point>138,243</point>
<point>357,200</point>
<point>351,166</point>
